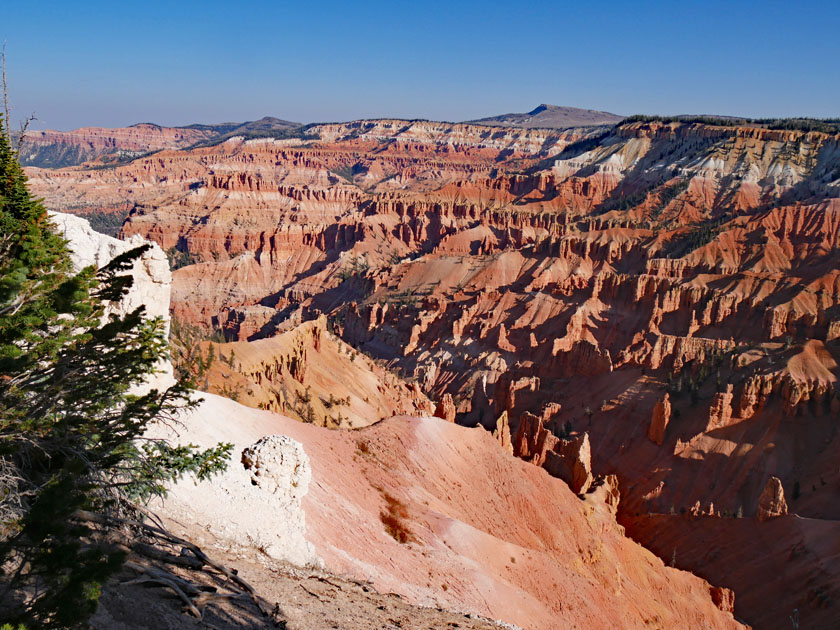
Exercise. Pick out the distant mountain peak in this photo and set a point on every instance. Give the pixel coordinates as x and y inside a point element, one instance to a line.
<point>542,107</point>
<point>550,116</point>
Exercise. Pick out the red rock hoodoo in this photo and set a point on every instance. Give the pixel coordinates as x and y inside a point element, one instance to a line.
<point>659,421</point>
<point>772,502</point>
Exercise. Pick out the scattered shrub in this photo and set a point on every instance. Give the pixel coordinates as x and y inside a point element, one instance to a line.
<point>394,519</point>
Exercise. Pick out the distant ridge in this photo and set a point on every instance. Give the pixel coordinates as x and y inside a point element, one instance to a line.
<point>546,116</point>
<point>57,149</point>
<point>265,127</point>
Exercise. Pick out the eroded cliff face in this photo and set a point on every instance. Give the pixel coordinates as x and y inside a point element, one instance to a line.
<point>554,285</point>
<point>310,374</point>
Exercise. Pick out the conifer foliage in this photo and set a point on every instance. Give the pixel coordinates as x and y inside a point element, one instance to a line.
<point>71,423</point>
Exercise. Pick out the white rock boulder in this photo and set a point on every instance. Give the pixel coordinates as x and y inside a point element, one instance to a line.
<point>279,466</point>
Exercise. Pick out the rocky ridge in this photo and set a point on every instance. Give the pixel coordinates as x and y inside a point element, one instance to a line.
<point>53,149</point>
<point>310,374</point>
<point>102,147</point>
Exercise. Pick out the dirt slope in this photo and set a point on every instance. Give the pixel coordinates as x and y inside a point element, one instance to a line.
<point>306,600</point>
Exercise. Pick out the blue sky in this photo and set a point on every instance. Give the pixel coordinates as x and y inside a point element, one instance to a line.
<point>117,63</point>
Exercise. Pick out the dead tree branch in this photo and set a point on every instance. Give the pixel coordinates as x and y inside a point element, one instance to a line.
<point>6,109</point>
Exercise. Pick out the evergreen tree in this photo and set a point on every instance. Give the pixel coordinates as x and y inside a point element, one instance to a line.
<point>71,426</point>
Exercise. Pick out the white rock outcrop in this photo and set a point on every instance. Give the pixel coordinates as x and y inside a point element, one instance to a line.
<point>279,465</point>
<point>152,286</point>
<point>152,277</point>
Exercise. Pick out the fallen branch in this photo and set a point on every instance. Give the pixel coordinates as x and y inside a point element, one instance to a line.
<point>327,581</point>
<point>315,595</point>
<point>195,597</point>
<point>202,599</point>
<point>157,573</point>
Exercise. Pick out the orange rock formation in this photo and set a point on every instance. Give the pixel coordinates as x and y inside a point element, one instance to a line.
<point>659,421</point>
<point>310,374</point>
<point>62,148</point>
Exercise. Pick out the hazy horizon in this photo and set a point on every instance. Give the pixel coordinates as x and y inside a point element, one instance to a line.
<point>103,64</point>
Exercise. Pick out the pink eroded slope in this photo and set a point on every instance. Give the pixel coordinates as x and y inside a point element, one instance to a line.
<point>488,533</point>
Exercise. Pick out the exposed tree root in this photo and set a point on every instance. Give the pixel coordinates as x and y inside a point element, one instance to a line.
<point>191,557</point>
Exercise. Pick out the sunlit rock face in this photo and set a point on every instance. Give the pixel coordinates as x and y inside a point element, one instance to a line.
<point>68,148</point>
